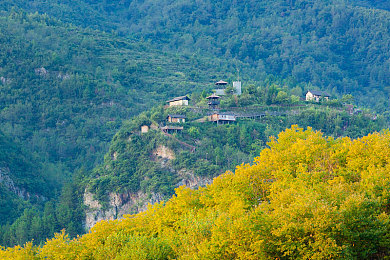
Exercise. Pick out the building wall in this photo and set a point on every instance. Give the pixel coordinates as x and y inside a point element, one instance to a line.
<point>179,103</point>
<point>176,120</point>
<point>227,117</point>
<point>309,96</point>
<point>144,129</point>
<point>216,117</point>
<point>237,87</point>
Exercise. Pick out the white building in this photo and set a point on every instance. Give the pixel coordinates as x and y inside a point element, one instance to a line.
<point>316,95</point>
<point>179,101</point>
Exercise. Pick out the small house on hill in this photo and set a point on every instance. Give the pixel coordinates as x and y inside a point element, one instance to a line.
<point>179,101</point>
<point>222,118</point>
<point>221,87</point>
<point>316,95</point>
<point>144,129</point>
<point>176,118</point>
<point>213,100</point>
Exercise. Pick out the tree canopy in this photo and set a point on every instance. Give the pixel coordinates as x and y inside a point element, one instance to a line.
<point>305,197</point>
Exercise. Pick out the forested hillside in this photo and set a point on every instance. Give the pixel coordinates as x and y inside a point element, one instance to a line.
<point>66,90</point>
<point>22,180</point>
<point>146,167</point>
<point>204,148</point>
<point>77,75</point>
<point>378,4</point>
<point>340,46</point>
<point>141,168</point>
<point>305,197</point>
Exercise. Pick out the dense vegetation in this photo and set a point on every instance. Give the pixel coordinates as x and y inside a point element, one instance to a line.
<point>64,93</point>
<point>26,189</point>
<point>72,72</point>
<point>130,165</point>
<point>39,221</point>
<point>336,45</point>
<point>66,90</point>
<point>304,197</point>
<point>20,174</point>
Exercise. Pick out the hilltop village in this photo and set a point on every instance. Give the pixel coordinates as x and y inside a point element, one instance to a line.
<point>216,108</point>
<point>192,139</point>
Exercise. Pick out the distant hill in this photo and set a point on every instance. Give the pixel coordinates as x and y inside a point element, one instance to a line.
<point>66,89</point>
<point>339,46</point>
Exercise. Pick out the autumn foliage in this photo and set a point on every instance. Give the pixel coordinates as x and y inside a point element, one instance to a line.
<point>304,197</point>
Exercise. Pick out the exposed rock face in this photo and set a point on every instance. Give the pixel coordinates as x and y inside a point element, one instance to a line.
<point>114,156</point>
<point>190,180</point>
<point>63,76</point>
<point>119,205</point>
<point>164,152</point>
<point>6,180</point>
<point>132,203</point>
<point>5,80</point>
<point>41,71</point>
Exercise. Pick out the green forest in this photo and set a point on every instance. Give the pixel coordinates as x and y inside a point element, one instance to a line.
<point>336,45</point>
<point>78,80</point>
<point>216,148</point>
<point>306,196</point>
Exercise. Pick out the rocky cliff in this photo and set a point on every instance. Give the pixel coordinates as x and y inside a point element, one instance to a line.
<point>22,193</point>
<point>120,204</point>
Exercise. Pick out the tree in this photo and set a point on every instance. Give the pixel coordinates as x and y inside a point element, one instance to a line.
<point>347,99</point>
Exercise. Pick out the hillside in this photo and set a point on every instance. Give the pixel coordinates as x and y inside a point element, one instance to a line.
<point>22,182</point>
<point>378,4</point>
<point>145,167</point>
<point>339,46</point>
<point>67,90</point>
<point>78,80</point>
<point>304,197</point>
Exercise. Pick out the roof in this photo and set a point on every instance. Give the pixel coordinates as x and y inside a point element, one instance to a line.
<point>168,127</point>
<point>221,82</point>
<point>179,98</point>
<point>213,96</point>
<point>223,114</point>
<point>319,93</point>
<point>177,116</point>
